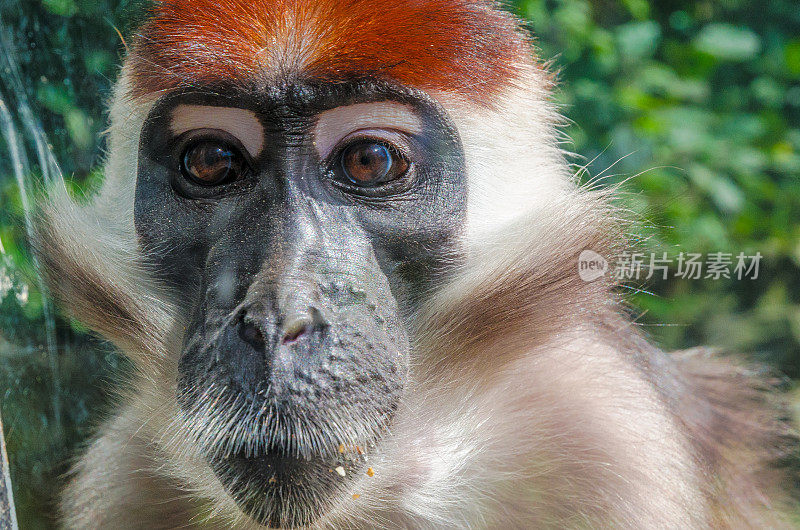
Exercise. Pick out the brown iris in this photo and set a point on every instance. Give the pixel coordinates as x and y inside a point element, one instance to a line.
<point>211,163</point>
<point>370,163</point>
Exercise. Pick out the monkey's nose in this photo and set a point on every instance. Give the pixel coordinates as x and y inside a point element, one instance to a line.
<point>268,350</point>
<point>252,335</point>
<point>296,326</point>
<point>300,324</point>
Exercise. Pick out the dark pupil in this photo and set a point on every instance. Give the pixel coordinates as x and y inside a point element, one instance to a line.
<point>209,163</point>
<point>365,163</point>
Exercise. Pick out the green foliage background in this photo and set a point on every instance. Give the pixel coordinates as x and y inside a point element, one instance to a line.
<point>698,102</point>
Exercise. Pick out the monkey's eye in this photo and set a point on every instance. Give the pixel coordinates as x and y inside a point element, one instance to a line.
<point>211,163</point>
<point>369,163</point>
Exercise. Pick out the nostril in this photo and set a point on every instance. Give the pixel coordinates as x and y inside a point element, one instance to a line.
<point>296,326</point>
<point>251,335</point>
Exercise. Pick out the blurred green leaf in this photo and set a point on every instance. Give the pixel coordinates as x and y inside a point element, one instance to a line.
<point>792,54</point>
<point>728,42</point>
<point>638,39</point>
<point>55,98</point>
<point>61,7</point>
<point>79,127</point>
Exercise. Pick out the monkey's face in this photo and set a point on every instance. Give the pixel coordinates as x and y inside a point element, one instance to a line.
<point>290,225</point>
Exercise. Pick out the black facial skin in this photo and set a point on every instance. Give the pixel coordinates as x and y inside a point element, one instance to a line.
<point>296,288</point>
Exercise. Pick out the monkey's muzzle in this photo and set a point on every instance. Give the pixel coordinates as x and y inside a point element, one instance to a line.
<point>272,391</point>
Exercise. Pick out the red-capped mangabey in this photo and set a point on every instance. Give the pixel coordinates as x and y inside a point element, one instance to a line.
<point>339,241</point>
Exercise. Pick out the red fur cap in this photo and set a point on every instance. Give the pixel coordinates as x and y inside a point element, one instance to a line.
<point>465,46</point>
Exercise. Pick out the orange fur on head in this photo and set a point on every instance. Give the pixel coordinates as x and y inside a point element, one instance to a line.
<point>463,46</point>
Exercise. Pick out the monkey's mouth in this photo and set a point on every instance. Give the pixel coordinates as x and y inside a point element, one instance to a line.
<point>280,490</point>
<point>283,469</point>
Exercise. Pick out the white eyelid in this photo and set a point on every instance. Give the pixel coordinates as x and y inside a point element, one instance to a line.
<point>383,120</point>
<point>239,123</point>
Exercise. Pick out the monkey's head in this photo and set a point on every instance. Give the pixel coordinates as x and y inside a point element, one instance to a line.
<point>289,178</point>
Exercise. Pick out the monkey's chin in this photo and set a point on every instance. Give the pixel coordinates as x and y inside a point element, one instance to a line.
<point>280,490</point>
